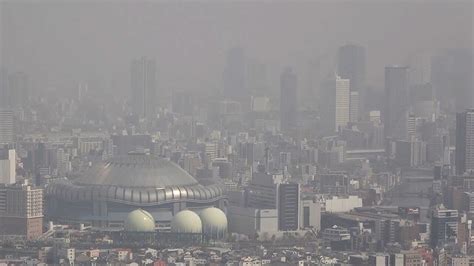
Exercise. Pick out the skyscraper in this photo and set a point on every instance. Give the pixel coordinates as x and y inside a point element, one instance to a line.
<point>234,76</point>
<point>352,65</point>
<point>4,92</point>
<point>6,127</point>
<point>335,109</point>
<point>342,102</point>
<point>354,106</point>
<point>464,157</point>
<point>396,102</point>
<point>143,87</point>
<point>19,89</point>
<point>288,207</point>
<point>288,100</point>
<point>452,79</point>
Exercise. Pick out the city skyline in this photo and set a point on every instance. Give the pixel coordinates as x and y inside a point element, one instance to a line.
<point>84,55</point>
<point>236,133</point>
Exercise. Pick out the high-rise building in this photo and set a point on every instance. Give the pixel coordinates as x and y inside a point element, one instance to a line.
<point>396,102</point>
<point>342,110</point>
<point>352,66</point>
<point>7,166</point>
<point>19,89</point>
<point>335,109</point>
<point>452,79</point>
<point>4,92</point>
<point>288,100</point>
<point>411,126</point>
<point>143,87</point>
<point>234,76</point>
<point>444,226</point>
<point>464,158</point>
<point>354,106</point>
<point>288,207</point>
<point>21,211</point>
<point>257,79</point>
<point>6,127</point>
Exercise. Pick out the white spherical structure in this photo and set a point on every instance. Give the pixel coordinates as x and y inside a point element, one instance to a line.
<point>214,222</point>
<point>139,221</point>
<point>186,221</point>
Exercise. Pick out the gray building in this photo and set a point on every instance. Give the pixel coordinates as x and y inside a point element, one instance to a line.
<point>444,226</point>
<point>464,158</point>
<point>143,87</point>
<point>288,207</point>
<point>395,114</point>
<point>288,100</point>
<point>234,75</point>
<point>351,64</point>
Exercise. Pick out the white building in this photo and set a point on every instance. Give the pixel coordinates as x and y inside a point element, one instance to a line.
<point>310,215</point>
<point>249,221</point>
<point>341,204</point>
<point>6,127</point>
<point>8,167</point>
<point>260,104</point>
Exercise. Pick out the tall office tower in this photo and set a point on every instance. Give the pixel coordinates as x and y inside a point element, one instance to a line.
<point>7,166</point>
<point>21,211</point>
<point>311,95</point>
<point>342,91</point>
<point>19,90</point>
<point>452,79</point>
<point>234,76</point>
<point>352,65</point>
<point>288,100</point>
<point>464,158</point>
<point>444,226</point>
<point>335,109</point>
<point>7,127</point>
<point>143,87</point>
<point>288,207</point>
<point>257,79</point>
<point>411,126</point>
<point>82,91</point>
<point>354,106</point>
<point>4,92</point>
<point>396,101</point>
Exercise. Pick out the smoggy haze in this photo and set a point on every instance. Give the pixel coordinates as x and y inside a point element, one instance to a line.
<point>61,44</point>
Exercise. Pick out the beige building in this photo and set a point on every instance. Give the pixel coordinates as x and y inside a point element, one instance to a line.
<point>21,211</point>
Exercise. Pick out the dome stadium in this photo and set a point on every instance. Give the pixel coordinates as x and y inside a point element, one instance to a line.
<point>109,191</point>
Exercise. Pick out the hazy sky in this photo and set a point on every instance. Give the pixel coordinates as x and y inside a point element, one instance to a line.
<point>60,44</point>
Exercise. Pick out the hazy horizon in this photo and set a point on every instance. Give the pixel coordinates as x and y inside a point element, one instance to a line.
<point>61,44</point>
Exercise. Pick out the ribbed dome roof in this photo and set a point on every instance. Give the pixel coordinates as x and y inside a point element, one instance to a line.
<point>214,217</point>
<point>139,221</point>
<point>214,221</point>
<point>186,222</point>
<point>137,171</point>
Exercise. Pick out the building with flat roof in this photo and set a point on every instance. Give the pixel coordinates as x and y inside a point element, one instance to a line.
<point>21,211</point>
<point>464,158</point>
<point>7,166</point>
